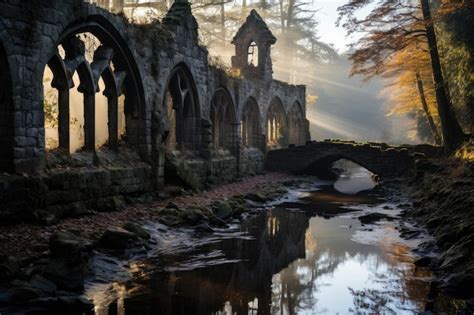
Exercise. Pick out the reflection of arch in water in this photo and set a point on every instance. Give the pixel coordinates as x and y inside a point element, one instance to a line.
<point>322,166</point>
<point>182,109</point>
<point>277,125</point>
<point>6,114</point>
<point>205,290</point>
<point>250,124</point>
<point>108,65</point>
<point>296,124</point>
<point>223,120</point>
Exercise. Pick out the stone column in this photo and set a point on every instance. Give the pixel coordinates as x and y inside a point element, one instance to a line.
<point>63,119</point>
<point>112,108</point>
<point>89,121</point>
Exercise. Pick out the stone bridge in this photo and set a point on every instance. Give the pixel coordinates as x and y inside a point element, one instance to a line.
<point>316,158</point>
<point>95,108</point>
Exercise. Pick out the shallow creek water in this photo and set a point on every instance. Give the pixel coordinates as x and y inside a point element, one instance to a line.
<point>307,253</point>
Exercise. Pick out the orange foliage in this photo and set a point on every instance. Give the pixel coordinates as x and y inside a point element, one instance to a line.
<point>401,89</point>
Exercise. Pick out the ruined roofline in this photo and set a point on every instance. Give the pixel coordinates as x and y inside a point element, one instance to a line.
<point>255,18</point>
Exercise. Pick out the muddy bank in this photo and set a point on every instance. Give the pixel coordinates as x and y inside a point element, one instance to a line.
<point>442,191</point>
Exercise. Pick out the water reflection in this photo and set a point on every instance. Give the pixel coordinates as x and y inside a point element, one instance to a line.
<point>353,178</point>
<point>296,264</point>
<point>342,276</point>
<point>283,261</point>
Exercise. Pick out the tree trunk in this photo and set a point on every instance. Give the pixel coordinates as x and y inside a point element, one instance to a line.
<point>421,92</point>
<point>282,17</point>
<point>223,35</point>
<point>452,132</point>
<point>243,12</point>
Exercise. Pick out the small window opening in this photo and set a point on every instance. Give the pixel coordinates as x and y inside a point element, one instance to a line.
<point>252,54</point>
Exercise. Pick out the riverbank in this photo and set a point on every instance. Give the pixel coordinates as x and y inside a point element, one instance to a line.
<point>16,238</point>
<point>442,191</point>
<point>45,266</point>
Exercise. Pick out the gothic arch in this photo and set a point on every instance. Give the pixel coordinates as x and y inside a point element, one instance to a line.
<point>223,120</point>
<point>6,114</point>
<point>112,63</point>
<point>182,109</point>
<point>277,125</point>
<point>250,124</point>
<point>296,124</point>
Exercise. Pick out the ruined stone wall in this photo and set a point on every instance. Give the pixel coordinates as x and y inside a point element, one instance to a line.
<point>30,33</point>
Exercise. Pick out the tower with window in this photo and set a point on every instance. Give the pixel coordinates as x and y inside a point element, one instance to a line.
<point>253,43</point>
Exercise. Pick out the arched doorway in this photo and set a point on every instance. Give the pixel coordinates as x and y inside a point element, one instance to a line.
<point>223,121</point>
<point>182,110</point>
<point>296,125</point>
<point>277,126</point>
<point>250,124</point>
<point>92,96</point>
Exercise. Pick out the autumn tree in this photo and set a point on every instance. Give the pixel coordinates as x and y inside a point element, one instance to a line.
<point>391,27</point>
<point>410,87</point>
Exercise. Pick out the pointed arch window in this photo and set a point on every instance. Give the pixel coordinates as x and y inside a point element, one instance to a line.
<point>252,54</point>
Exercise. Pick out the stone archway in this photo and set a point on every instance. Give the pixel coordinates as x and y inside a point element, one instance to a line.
<point>6,114</point>
<point>182,110</point>
<point>277,125</point>
<point>322,166</point>
<point>223,121</point>
<point>250,124</point>
<point>92,57</point>
<point>296,125</point>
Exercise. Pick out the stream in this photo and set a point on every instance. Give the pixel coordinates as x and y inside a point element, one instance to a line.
<point>309,252</point>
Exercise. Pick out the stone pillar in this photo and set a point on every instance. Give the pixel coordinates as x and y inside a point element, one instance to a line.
<point>89,121</point>
<point>112,108</point>
<point>63,119</point>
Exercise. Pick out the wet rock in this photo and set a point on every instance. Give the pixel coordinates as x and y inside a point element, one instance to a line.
<point>410,234</point>
<point>423,262</point>
<point>137,229</point>
<point>256,197</point>
<point>8,268</point>
<point>222,209</point>
<point>193,215</point>
<point>67,244</point>
<point>117,238</point>
<point>204,228</point>
<point>374,217</point>
<point>66,274</point>
<point>68,261</point>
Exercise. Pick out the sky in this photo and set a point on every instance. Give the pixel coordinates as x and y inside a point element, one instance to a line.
<point>327,16</point>
<point>328,32</point>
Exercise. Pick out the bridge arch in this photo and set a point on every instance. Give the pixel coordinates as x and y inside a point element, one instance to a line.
<point>296,124</point>
<point>223,120</point>
<point>91,54</point>
<point>181,104</point>
<point>277,125</point>
<point>6,114</point>
<point>251,124</point>
<point>321,166</point>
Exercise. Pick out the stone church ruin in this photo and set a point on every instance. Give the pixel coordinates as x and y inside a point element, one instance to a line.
<point>95,109</point>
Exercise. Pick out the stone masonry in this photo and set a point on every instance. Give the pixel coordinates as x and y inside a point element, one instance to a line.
<point>159,69</point>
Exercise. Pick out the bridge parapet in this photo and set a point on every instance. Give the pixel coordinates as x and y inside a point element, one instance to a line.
<point>317,157</point>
